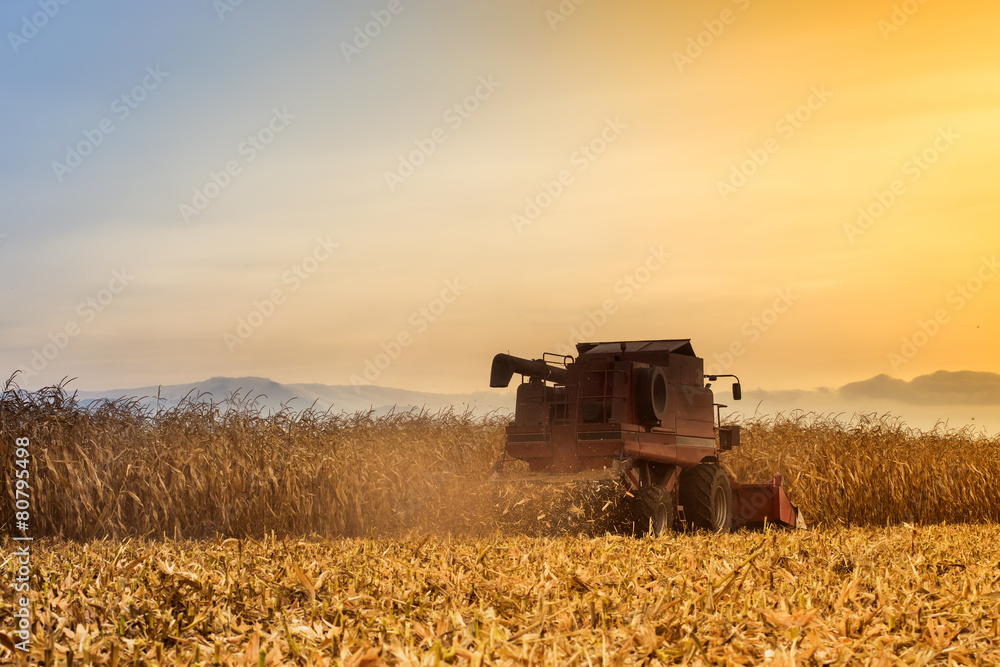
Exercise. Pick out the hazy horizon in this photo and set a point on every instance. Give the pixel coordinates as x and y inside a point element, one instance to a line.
<point>940,400</point>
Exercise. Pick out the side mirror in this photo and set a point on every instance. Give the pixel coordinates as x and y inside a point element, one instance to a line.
<point>737,391</point>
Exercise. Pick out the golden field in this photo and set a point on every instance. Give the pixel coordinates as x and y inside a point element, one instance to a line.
<point>222,469</point>
<point>903,595</point>
<point>213,534</point>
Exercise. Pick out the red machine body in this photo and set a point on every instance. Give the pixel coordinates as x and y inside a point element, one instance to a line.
<point>639,410</point>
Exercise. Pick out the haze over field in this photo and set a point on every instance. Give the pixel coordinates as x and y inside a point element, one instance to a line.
<point>389,193</point>
<point>947,400</point>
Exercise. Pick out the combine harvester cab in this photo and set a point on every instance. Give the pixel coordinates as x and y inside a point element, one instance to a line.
<point>637,413</point>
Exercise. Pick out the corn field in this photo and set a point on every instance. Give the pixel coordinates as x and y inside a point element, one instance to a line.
<point>874,470</point>
<point>212,534</point>
<point>222,469</point>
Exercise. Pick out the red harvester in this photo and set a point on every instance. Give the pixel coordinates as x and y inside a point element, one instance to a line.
<point>641,413</point>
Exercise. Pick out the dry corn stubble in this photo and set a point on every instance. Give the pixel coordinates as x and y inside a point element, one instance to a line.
<point>902,595</point>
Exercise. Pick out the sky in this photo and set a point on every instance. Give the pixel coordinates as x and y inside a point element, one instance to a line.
<point>391,192</point>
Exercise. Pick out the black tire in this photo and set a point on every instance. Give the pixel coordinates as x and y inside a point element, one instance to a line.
<point>707,498</point>
<point>652,511</point>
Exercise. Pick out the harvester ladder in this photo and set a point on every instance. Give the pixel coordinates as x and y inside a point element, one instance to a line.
<point>607,385</point>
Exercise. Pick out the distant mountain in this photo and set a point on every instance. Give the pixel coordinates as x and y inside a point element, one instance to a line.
<point>271,396</point>
<point>946,398</point>
<point>955,398</point>
<point>940,388</point>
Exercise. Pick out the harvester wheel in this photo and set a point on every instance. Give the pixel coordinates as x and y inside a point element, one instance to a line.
<point>652,510</point>
<point>707,497</point>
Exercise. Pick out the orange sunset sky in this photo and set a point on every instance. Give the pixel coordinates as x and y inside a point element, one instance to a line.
<point>811,186</point>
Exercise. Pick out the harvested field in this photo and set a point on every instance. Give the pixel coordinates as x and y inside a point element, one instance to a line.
<point>212,534</point>
<point>920,595</point>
